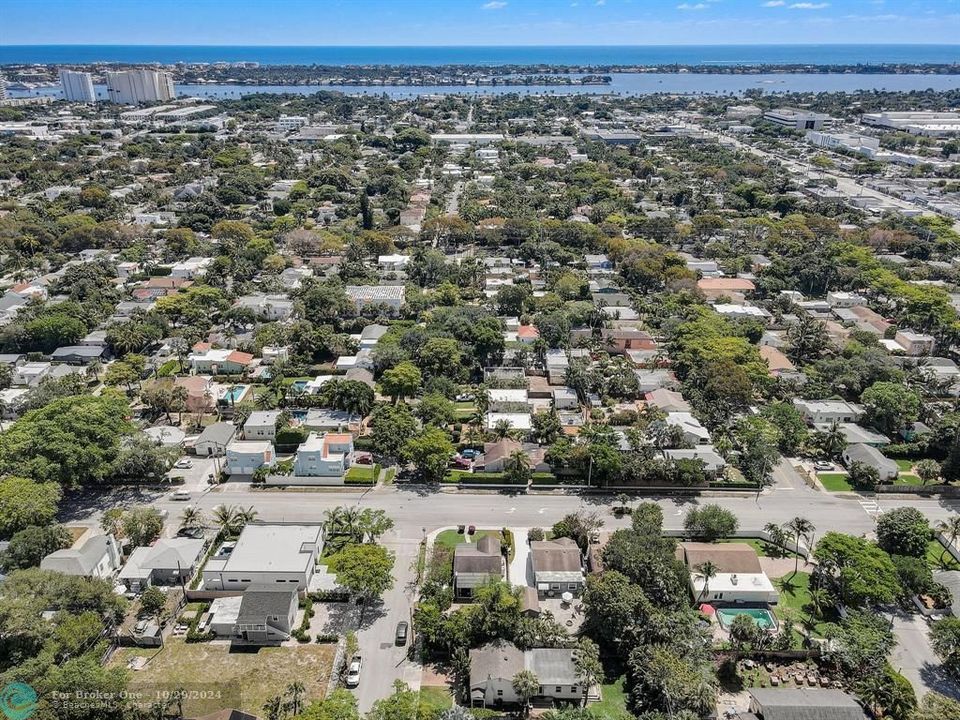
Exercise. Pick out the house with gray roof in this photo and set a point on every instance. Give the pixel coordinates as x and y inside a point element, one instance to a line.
<point>475,564</point>
<point>97,557</point>
<point>267,615</point>
<point>804,704</point>
<point>167,562</point>
<point>214,439</point>
<point>557,567</point>
<point>268,553</point>
<point>871,457</point>
<point>493,667</point>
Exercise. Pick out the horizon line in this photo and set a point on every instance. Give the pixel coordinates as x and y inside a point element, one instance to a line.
<point>486,45</point>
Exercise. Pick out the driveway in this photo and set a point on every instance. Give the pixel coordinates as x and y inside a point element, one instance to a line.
<point>195,477</point>
<point>519,572</point>
<point>914,658</point>
<point>383,661</point>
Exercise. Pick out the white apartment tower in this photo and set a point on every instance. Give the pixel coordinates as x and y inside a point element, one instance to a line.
<point>3,88</point>
<point>132,87</point>
<point>77,86</point>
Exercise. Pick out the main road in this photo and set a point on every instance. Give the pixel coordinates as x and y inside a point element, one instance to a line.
<point>417,511</point>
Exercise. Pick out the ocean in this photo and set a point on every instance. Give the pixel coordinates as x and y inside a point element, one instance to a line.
<point>580,55</point>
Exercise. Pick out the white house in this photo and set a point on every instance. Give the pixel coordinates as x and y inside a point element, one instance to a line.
<point>31,373</point>
<point>97,557</point>
<point>493,667</point>
<point>191,268</point>
<point>739,579</point>
<point>914,343</point>
<point>329,455</point>
<point>393,263</point>
<point>277,554</point>
<point>825,412</point>
<point>364,296</point>
<point>261,425</point>
<point>693,432</point>
<point>245,457</point>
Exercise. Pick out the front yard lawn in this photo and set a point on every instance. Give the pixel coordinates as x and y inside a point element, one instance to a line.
<point>904,465</point>
<point>433,701</point>
<point>835,482</point>
<point>362,475</point>
<point>216,677</point>
<point>762,548</point>
<point>794,598</point>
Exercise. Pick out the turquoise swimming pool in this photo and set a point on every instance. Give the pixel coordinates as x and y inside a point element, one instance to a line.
<point>762,617</point>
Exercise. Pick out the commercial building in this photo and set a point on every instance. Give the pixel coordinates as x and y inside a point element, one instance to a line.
<point>77,86</point>
<point>862,144</point>
<point>275,554</point>
<point>132,87</point>
<point>927,124</point>
<point>796,119</point>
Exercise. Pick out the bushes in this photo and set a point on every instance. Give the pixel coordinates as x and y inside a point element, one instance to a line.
<point>327,638</point>
<point>301,634</point>
<point>710,522</point>
<point>904,531</point>
<point>536,534</point>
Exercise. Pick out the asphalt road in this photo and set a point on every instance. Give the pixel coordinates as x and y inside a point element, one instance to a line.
<point>419,510</point>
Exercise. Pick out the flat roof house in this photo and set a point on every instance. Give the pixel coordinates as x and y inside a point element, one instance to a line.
<point>245,457</point>
<point>364,296</point>
<point>557,567</point>
<point>329,455</point>
<point>280,555</point>
<point>220,362</point>
<point>475,564</point>
<point>261,425</point>
<point>825,412</point>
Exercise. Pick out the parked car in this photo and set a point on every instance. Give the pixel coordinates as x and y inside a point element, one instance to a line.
<point>353,671</point>
<point>140,627</point>
<point>459,463</point>
<point>822,465</point>
<point>184,464</point>
<point>401,633</point>
<point>180,495</point>
<point>464,397</point>
<point>191,532</point>
<point>364,460</point>
<point>469,454</point>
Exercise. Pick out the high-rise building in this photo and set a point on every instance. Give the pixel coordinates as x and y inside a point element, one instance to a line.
<point>132,87</point>
<point>77,86</point>
<point>3,88</point>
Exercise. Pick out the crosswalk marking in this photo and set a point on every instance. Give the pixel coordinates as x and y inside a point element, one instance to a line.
<point>870,507</point>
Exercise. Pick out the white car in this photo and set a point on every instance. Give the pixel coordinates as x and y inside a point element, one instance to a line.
<point>180,495</point>
<point>353,672</point>
<point>184,464</point>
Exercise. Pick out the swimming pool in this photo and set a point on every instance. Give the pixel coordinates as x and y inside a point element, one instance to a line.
<point>761,616</point>
<point>235,393</point>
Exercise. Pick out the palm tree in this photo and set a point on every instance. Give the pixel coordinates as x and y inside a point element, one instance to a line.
<point>191,518</point>
<point>950,529</point>
<point>801,528</point>
<point>586,660</point>
<point>225,516</point>
<point>834,441</point>
<point>502,429</point>
<point>517,467</point>
<point>296,691</point>
<point>707,570</point>
<point>819,599</point>
<point>333,518</point>
<point>351,524</point>
<point>274,708</point>
<point>777,535</point>
<point>244,516</point>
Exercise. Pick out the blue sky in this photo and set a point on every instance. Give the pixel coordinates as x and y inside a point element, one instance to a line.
<point>477,22</point>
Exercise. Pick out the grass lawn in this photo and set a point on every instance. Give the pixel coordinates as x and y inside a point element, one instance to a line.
<point>835,482</point>
<point>434,700</point>
<point>451,538</point>
<point>907,479</point>
<point>389,474</point>
<point>934,551</point>
<point>613,702</point>
<point>245,680</point>
<point>762,548</point>
<point>794,597</point>
<point>904,465</point>
<point>362,474</point>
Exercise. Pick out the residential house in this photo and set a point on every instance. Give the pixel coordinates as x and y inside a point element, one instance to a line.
<point>370,335</point>
<point>214,439</point>
<point>30,373</point>
<point>496,454</point>
<point>871,457</point>
<point>557,567</point>
<point>333,420</point>
<point>493,667</point>
<point>97,557</point>
<point>393,263</point>
<point>713,462</point>
<point>667,400</point>
<point>167,562</point>
<point>329,455</point>
<point>475,564</point>
<point>267,614</point>
<point>650,379</point>
<point>267,554</point>
<point>565,399</point>
<point>779,364</point>
<point>261,425</point>
<point>825,412</point>
<point>80,354</point>
<point>739,579</point>
<point>210,361</point>
<point>914,343</point>
<point>693,432</point>
<point>191,268</point>
<point>804,703</point>
<point>623,339</point>
<point>270,308</point>
<point>245,457</point>
<point>714,288</point>
<point>372,296</point>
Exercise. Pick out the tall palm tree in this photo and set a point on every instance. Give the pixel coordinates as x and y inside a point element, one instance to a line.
<point>333,518</point>
<point>707,570</point>
<point>950,529</point>
<point>834,441</point>
<point>801,528</point>
<point>192,517</point>
<point>225,516</point>
<point>351,523</point>
<point>244,516</point>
